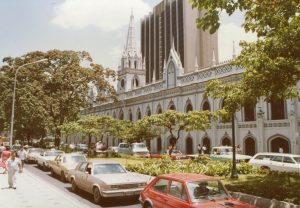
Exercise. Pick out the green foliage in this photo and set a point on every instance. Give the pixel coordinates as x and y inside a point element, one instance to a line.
<point>175,122</point>
<point>204,166</point>
<point>275,55</point>
<point>282,187</point>
<point>50,93</point>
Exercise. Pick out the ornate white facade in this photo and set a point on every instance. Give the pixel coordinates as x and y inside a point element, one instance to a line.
<point>261,128</point>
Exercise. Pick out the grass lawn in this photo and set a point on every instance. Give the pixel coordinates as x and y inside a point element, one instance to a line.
<point>271,186</point>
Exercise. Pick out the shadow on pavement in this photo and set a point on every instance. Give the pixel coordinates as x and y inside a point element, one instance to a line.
<point>109,202</point>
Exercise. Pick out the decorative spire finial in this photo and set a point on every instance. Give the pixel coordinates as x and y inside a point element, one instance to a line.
<point>214,62</point>
<point>196,63</point>
<point>233,51</point>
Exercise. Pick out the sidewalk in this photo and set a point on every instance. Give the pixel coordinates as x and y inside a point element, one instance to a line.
<point>32,192</point>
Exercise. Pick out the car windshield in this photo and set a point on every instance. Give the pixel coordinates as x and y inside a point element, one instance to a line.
<point>53,153</point>
<point>138,145</point>
<point>206,190</point>
<point>74,159</point>
<point>108,169</point>
<point>35,151</point>
<point>297,159</point>
<point>223,151</point>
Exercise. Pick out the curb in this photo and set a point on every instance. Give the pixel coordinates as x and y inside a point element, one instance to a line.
<point>262,202</point>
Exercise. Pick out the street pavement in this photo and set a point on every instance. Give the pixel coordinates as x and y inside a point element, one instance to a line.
<point>36,189</point>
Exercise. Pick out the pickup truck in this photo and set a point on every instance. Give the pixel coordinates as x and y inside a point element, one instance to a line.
<point>135,149</point>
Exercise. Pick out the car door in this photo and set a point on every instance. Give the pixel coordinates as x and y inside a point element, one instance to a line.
<point>158,193</point>
<point>289,164</point>
<point>88,179</point>
<point>56,164</point>
<point>177,196</point>
<point>276,163</point>
<point>79,175</point>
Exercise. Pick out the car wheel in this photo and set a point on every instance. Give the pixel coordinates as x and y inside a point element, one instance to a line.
<point>63,177</point>
<point>147,205</point>
<point>97,195</point>
<point>52,172</point>
<point>74,187</point>
<point>44,167</point>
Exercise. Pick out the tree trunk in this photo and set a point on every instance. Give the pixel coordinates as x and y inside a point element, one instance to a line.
<point>90,140</point>
<point>57,138</point>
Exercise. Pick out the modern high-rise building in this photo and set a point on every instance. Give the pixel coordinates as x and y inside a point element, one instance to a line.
<point>175,20</point>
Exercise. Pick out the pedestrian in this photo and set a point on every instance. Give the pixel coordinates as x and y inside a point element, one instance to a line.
<point>13,164</point>
<point>4,157</point>
<point>204,149</point>
<point>22,154</point>
<point>280,150</point>
<point>2,148</point>
<point>238,149</point>
<point>199,148</point>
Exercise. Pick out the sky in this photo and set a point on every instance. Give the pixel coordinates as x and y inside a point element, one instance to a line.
<point>97,26</point>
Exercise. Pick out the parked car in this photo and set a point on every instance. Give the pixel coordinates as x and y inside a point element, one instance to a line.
<point>225,153</point>
<point>63,163</point>
<point>43,159</point>
<point>187,190</point>
<point>32,154</point>
<point>176,155</point>
<point>82,148</point>
<point>106,179</point>
<point>135,149</point>
<point>276,161</point>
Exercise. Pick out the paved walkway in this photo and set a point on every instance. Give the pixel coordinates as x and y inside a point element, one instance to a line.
<point>33,192</point>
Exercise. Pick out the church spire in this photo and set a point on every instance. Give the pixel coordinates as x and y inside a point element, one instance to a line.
<point>130,43</point>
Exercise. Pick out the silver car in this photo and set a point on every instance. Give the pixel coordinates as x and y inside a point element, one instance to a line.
<point>106,179</point>
<point>63,163</point>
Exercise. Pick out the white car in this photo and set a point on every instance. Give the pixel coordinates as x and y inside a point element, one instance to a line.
<point>106,179</point>
<point>43,159</point>
<point>32,153</point>
<point>225,153</point>
<point>63,163</point>
<point>276,162</point>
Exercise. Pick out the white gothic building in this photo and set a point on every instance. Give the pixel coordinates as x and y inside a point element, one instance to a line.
<point>265,127</point>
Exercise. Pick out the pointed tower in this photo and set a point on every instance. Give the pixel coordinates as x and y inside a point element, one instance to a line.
<point>131,70</point>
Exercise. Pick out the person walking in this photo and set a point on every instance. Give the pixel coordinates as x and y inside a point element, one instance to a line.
<point>199,149</point>
<point>22,154</point>
<point>204,149</point>
<point>4,157</point>
<point>13,164</point>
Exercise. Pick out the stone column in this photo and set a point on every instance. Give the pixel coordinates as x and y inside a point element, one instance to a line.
<point>262,144</point>
<point>293,119</point>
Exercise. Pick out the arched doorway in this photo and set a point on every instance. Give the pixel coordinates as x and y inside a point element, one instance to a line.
<point>171,106</point>
<point>189,145</point>
<point>278,142</point>
<point>206,106</point>
<point>250,148</point>
<point>159,146</point>
<point>226,141</point>
<point>188,107</point>
<point>206,142</point>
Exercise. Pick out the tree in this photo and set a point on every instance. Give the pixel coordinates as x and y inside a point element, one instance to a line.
<point>143,131</point>
<point>174,123</point>
<point>70,129</point>
<point>64,81</point>
<point>89,126</point>
<point>121,129</point>
<point>274,56</point>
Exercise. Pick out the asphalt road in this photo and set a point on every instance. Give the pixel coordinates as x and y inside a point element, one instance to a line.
<point>87,199</point>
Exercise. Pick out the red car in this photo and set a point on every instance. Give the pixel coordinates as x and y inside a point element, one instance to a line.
<point>176,155</point>
<point>187,190</point>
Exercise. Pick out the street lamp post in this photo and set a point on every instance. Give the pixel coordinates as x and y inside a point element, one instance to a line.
<point>234,174</point>
<point>14,96</point>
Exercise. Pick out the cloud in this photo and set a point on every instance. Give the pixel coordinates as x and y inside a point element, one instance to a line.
<point>227,34</point>
<point>108,15</point>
